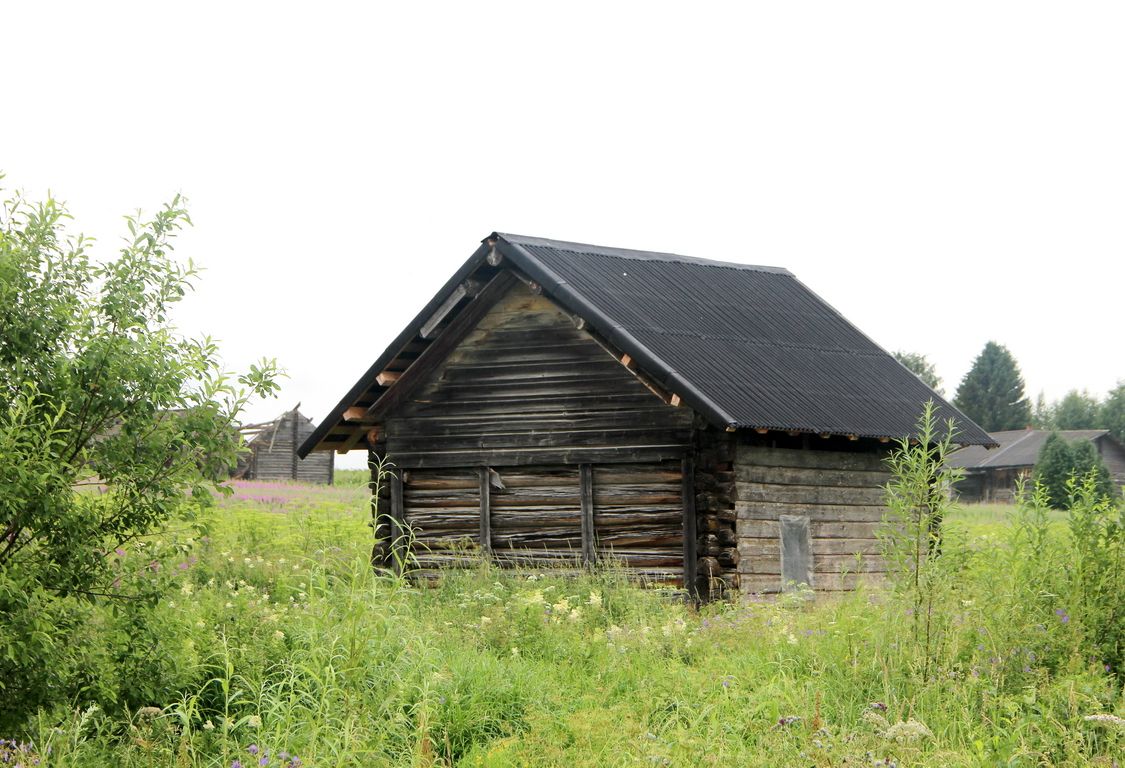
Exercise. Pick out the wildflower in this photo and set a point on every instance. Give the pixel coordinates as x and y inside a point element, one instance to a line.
<point>515,651</point>
<point>236,763</point>
<point>595,599</point>
<point>187,588</point>
<point>278,635</point>
<point>229,605</point>
<point>575,614</point>
<point>875,719</point>
<point>878,705</point>
<point>119,552</point>
<point>200,624</point>
<point>208,725</point>
<point>906,732</point>
<point>1110,720</point>
<point>485,621</point>
<point>252,749</point>
<point>254,721</point>
<point>1064,617</point>
<point>788,720</point>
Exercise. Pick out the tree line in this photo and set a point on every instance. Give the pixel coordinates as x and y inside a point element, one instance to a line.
<point>993,394</point>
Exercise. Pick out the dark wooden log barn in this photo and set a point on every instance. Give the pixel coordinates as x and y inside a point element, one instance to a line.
<point>702,423</point>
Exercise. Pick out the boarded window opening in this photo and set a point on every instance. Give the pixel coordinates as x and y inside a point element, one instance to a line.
<point>796,552</point>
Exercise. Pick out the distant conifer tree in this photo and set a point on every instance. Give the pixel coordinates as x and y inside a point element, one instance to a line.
<point>992,392</point>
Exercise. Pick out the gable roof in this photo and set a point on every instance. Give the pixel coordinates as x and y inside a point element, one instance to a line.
<point>1018,448</point>
<point>745,346</point>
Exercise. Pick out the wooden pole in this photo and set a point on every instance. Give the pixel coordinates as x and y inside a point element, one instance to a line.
<point>485,512</point>
<point>691,554</point>
<point>586,488</point>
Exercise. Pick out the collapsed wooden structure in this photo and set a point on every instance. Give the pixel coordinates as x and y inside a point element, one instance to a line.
<point>272,451</point>
<point>702,423</point>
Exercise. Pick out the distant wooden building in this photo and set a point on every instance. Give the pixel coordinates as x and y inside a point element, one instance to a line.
<point>273,452</point>
<point>992,476</point>
<point>700,423</point>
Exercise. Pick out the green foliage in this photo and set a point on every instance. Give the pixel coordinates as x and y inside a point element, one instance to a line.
<point>290,642</point>
<point>1113,412</point>
<point>1061,461</point>
<point>1078,410</point>
<point>917,364</point>
<point>918,500</point>
<point>992,392</point>
<point>1054,468</point>
<point>111,426</point>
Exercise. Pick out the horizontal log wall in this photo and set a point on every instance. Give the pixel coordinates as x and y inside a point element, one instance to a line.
<point>441,512</point>
<point>556,436</point>
<point>536,516</point>
<point>841,495</point>
<point>274,454</point>
<point>526,387</point>
<point>638,519</point>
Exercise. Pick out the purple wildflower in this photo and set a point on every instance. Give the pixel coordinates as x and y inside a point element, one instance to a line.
<point>236,763</point>
<point>878,705</point>
<point>252,749</point>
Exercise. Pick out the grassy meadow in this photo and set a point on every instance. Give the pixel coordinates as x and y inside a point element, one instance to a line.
<point>277,646</point>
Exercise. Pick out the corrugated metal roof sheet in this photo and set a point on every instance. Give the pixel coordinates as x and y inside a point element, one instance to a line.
<point>748,346</point>
<point>1018,448</point>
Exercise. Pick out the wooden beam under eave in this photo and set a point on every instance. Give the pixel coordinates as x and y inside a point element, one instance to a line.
<point>355,413</point>
<point>386,378</point>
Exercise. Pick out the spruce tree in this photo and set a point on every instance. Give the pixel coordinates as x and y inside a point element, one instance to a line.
<point>992,392</point>
<point>1086,460</point>
<point>1055,463</point>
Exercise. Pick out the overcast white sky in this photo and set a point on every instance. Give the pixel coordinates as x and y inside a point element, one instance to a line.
<point>942,173</point>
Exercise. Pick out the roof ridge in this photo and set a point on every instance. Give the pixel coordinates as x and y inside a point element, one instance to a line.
<point>634,254</point>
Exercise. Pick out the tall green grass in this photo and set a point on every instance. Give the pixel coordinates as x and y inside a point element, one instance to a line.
<point>287,643</point>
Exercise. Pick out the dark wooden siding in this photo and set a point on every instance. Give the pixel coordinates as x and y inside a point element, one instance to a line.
<point>638,518</point>
<point>274,453</point>
<point>840,493</point>
<point>535,404</point>
<point>527,387</point>
<point>441,508</point>
<point>1113,455</point>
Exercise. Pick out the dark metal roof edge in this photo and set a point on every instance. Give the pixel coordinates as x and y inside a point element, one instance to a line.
<point>983,438</point>
<point>389,353</point>
<point>561,291</point>
<point>632,253</point>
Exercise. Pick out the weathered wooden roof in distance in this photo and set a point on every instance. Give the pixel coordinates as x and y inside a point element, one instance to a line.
<point>745,346</point>
<point>1018,448</point>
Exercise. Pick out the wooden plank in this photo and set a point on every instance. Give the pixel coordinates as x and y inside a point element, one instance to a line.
<point>764,510</point>
<point>839,478</point>
<point>586,489</point>
<point>771,549</point>
<point>387,378</point>
<point>690,562</point>
<point>529,456</point>
<point>810,459</point>
<point>808,494</point>
<point>769,529</point>
<point>485,512</point>
<point>442,312</point>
